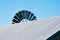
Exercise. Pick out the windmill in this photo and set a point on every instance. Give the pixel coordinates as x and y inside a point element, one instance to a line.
<point>23,16</point>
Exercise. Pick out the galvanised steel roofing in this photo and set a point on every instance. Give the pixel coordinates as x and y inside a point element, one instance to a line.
<point>34,30</point>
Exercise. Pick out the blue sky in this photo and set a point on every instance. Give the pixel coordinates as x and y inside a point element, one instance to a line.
<point>41,9</point>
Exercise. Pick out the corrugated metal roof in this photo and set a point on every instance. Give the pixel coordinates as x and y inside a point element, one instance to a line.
<point>34,30</point>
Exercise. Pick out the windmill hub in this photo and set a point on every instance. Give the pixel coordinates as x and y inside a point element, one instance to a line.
<point>24,20</point>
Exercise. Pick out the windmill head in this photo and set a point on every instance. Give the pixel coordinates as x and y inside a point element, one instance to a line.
<point>24,14</point>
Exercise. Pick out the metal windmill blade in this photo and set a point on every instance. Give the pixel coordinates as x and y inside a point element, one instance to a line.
<point>21,15</point>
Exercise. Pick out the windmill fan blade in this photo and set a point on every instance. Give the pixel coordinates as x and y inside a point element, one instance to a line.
<point>15,17</point>
<point>15,21</point>
<point>31,16</point>
<point>34,18</point>
<point>20,13</point>
<point>28,15</point>
<point>24,14</point>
